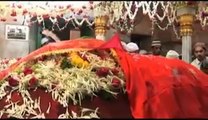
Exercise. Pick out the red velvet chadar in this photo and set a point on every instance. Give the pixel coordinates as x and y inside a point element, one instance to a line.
<point>162,88</point>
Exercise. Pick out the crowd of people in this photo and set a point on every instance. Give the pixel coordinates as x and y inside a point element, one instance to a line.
<point>199,51</point>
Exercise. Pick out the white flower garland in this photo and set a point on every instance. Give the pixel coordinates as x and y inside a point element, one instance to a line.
<point>5,63</point>
<point>123,20</point>
<point>114,9</point>
<point>69,83</point>
<point>202,9</point>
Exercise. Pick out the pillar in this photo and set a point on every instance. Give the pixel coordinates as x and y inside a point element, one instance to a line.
<point>186,30</point>
<point>100,27</point>
<point>185,16</point>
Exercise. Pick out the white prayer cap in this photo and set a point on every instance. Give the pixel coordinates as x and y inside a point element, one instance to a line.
<point>172,54</point>
<point>131,47</point>
<point>44,40</point>
<point>123,44</point>
<point>143,52</point>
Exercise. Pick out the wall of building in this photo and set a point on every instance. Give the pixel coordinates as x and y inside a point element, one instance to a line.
<point>15,48</point>
<point>168,37</point>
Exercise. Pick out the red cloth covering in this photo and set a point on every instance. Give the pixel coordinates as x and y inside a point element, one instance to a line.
<point>162,88</point>
<point>157,87</point>
<point>71,44</point>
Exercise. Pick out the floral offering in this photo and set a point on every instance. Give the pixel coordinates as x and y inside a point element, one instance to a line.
<point>67,77</point>
<point>5,63</point>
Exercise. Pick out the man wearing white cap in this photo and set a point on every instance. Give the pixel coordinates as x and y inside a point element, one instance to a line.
<point>200,53</point>
<point>156,47</point>
<point>172,54</point>
<point>132,47</point>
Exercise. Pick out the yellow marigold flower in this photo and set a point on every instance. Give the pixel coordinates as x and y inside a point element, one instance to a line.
<point>85,64</point>
<point>79,60</point>
<point>76,60</point>
<point>113,52</point>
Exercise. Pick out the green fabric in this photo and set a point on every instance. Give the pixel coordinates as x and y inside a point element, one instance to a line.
<point>86,31</point>
<point>38,41</point>
<point>86,37</point>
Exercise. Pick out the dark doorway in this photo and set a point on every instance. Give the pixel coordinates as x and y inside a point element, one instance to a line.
<point>143,41</point>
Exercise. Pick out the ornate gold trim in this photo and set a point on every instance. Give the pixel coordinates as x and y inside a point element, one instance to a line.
<point>100,25</point>
<point>186,22</point>
<point>181,4</point>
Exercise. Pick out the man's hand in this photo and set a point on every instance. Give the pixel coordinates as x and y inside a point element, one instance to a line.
<point>51,34</point>
<point>46,32</point>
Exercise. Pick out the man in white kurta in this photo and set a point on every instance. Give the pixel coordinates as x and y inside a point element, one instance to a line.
<point>200,54</point>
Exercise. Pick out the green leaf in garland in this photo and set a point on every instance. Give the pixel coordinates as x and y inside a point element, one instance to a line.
<point>86,37</point>
<point>65,63</point>
<point>35,66</point>
<point>105,95</point>
<point>19,71</point>
<point>2,81</point>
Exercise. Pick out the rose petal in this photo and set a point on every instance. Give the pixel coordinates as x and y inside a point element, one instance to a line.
<point>116,82</point>
<point>13,82</point>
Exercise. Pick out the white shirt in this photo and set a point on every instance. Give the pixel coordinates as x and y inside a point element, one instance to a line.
<point>197,63</point>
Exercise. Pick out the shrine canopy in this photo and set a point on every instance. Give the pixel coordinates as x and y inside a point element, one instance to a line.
<point>68,10</point>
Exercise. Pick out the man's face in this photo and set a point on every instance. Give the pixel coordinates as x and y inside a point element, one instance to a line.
<point>156,50</point>
<point>199,53</point>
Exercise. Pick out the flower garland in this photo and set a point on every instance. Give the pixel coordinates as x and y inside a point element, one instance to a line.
<point>76,60</point>
<point>115,12</point>
<point>5,63</point>
<point>67,76</point>
<point>202,15</point>
<point>122,14</point>
<point>47,10</point>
